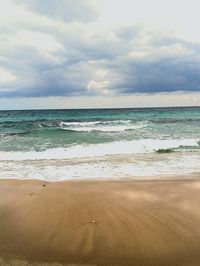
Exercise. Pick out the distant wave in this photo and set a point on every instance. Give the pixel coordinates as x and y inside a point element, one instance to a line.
<point>15,133</point>
<point>104,126</point>
<point>92,150</point>
<point>98,125</point>
<point>175,120</point>
<point>71,125</point>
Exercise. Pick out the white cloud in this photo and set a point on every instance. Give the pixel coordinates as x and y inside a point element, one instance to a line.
<point>181,16</point>
<point>155,53</point>
<point>6,76</point>
<point>38,40</point>
<point>100,87</point>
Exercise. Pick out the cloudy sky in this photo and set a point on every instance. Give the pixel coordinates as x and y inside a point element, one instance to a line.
<point>99,53</point>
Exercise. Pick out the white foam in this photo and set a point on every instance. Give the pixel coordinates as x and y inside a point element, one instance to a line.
<point>96,150</point>
<point>155,167</point>
<point>105,126</point>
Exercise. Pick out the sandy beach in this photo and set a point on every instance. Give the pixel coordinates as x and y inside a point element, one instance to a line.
<point>99,223</point>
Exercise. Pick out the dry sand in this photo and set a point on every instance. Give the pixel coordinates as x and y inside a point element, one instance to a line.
<point>99,223</point>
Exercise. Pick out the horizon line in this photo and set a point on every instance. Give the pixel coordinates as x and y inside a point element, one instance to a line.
<point>101,108</point>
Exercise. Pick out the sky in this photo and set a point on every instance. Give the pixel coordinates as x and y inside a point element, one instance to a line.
<point>99,53</point>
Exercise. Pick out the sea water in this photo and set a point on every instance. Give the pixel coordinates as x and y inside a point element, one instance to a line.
<point>139,143</point>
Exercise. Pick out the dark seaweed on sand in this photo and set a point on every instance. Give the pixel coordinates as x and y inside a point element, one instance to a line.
<point>164,150</point>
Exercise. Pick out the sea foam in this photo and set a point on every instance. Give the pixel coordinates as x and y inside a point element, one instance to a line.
<point>103,149</point>
<point>145,166</point>
<point>104,126</point>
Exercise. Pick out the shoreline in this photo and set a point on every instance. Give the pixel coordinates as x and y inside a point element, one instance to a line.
<point>100,222</point>
<point>154,178</point>
<point>144,166</point>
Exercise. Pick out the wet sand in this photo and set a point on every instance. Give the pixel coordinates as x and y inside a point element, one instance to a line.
<point>100,223</point>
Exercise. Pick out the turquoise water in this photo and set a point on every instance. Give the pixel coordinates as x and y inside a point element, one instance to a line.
<point>31,139</point>
<point>42,130</point>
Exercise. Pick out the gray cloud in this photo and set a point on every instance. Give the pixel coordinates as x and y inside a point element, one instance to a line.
<point>65,10</point>
<point>166,75</point>
<point>63,50</point>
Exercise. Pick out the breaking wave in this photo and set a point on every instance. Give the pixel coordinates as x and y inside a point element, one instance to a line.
<point>103,149</point>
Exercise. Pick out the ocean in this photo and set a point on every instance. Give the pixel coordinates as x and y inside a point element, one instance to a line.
<point>138,143</point>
